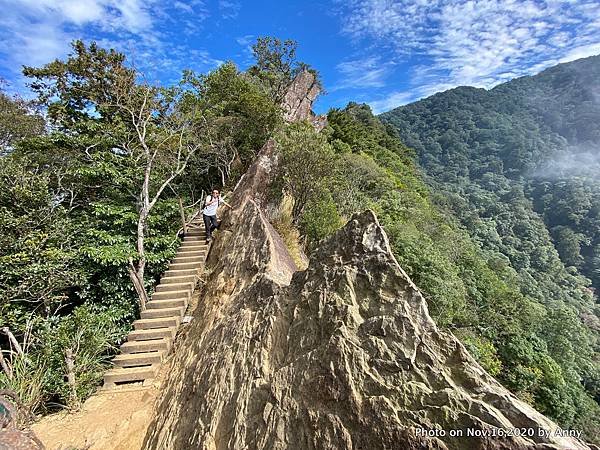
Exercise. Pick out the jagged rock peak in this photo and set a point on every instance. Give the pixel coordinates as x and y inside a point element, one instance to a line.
<point>343,355</point>
<point>299,98</point>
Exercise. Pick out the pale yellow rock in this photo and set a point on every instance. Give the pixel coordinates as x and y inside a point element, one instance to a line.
<point>343,355</point>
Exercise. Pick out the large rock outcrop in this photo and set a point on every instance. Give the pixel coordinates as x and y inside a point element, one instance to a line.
<point>342,355</point>
<point>299,98</point>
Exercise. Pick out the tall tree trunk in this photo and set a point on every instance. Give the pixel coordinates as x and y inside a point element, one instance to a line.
<point>138,284</point>
<point>70,362</point>
<point>182,213</point>
<point>136,271</point>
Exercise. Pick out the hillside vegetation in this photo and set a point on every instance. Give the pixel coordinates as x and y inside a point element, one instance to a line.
<point>74,200</point>
<point>517,166</point>
<point>89,204</point>
<point>471,290</point>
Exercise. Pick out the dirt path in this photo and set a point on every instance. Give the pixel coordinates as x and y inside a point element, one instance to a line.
<point>115,420</point>
<point>109,420</point>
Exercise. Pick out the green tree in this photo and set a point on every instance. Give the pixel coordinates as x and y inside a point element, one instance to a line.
<point>307,159</point>
<point>94,95</point>
<point>17,121</point>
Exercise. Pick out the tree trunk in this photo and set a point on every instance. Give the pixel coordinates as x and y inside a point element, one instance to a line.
<point>70,362</point>
<point>5,367</point>
<point>138,284</point>
<point>136,271</point>
<point>182,212</point>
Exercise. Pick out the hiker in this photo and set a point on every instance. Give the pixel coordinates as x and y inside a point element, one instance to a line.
<point>209,213</point>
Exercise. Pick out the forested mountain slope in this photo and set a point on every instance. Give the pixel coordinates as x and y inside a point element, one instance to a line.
<point>74,199</point>
<point>533,139</point>
<point>518,166</point>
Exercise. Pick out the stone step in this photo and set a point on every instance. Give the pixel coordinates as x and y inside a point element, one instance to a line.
<point>130,374</point>
<point>191,251</point>
<point>161,304</point>
<point>158,322</point>
<point>181,272</point>
<point>169,295</point>
<point>164,312</point>
<point>194,232</point>
<point>201,242</point>
<point>200,255</point>
<point>175,287</point>
<point>188,259</point>
<point>147,346</point>
<point>187,239</point>
<point>182,266</point>
<point>189,246</point>
<point>165,280</point>
<point>138,359</point>
<point>154,333</point>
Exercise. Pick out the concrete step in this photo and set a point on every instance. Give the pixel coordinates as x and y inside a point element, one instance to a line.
<point>128,375</point>
<point>158,322</point>
<point>175,287</point>
<point>181,266</point>
<point>181,272</point>
<point>168,295</point>
<point>188,239</point>
<point>193,246</point>
<point>191,251</point>
<point>194,232</point>
<point>165,280</point>
<point>161,304</point>
<point>154,333</point>
<point>164,312</point>
<point>147,346</point>
<point>201,255</point>
<point>188,259</point>
<point>138,359</point>
<point>195,242</point>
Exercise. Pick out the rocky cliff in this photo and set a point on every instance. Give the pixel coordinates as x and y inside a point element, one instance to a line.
<point>342,355</point>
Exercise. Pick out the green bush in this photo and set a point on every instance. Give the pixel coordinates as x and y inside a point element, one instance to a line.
<point>320,218</point>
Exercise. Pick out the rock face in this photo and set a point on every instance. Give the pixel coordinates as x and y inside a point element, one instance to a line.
<point>343,355</point>
<point>297,103</point>
<point>11,437</point>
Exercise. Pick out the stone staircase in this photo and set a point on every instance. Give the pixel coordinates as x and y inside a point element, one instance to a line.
<point>153,334</point>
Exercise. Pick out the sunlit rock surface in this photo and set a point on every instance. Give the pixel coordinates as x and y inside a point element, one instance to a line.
<point>343,355</point>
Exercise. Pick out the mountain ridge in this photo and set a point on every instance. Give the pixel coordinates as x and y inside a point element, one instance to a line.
<point>517,166</point>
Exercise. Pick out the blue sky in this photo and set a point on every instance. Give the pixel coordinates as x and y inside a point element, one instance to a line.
<point>382,52</point>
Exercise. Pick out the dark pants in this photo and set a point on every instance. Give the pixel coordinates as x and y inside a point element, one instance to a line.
<point>210,224</point>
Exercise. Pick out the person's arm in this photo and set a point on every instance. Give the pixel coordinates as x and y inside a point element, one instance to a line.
<point>225,203</point>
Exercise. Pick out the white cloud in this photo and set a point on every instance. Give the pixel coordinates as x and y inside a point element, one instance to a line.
<point>391,101</point>
<point>582,51</point>
<point>246,40</point>
<point>36,32</point>
<point>475,42</point>
<point>362,73</point>
<point>229,8</point>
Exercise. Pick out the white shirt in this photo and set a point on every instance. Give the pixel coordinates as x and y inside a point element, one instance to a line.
<point>211,210</point>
